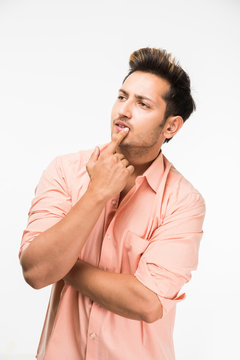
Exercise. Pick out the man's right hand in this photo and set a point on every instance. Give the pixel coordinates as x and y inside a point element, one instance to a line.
<point>109,171</point>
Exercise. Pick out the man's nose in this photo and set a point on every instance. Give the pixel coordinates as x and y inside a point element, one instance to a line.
<point>125,110</point>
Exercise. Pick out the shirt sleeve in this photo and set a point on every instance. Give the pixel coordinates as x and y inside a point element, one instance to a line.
<point>172,254</point>
<point>50,204</point>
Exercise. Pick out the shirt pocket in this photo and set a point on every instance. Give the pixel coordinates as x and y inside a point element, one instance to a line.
<point>133,248</point>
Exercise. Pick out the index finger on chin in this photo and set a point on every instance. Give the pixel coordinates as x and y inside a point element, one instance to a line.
<point>116,140</point>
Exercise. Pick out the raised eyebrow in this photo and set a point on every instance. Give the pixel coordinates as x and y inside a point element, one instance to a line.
<point>139,97</point>
<point>123,91</point>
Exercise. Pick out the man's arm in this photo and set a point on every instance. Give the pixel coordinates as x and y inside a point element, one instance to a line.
<point>120,293</point>
<point>52,254</point>
<point>163,269</point>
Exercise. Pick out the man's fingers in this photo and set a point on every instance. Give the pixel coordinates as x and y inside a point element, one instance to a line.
<point>120,156</point>
<point>116,140</point>
<point>95,154</point>
<point>130,168</point>
<point>125,162</point>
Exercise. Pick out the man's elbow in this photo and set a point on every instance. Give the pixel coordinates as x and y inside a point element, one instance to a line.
<point>153,313</point>
<point>32,275</point>
<point>32,281</point>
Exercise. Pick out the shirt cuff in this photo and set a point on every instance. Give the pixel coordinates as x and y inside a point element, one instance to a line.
<point>148,280</point>
<point>27,238</point>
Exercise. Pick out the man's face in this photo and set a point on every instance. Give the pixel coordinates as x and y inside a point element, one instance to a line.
<point>144,117</point>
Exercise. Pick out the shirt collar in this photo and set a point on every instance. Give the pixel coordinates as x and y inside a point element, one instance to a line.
<point>155,171</point>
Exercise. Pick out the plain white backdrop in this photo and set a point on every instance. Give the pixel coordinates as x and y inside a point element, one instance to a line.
<point>61,64</point>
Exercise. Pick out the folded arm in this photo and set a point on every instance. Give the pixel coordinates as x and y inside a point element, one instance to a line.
<point>120,293</point>
<point>163,269</point>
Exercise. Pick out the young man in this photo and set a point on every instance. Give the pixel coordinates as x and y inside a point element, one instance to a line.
<point>117,230</point>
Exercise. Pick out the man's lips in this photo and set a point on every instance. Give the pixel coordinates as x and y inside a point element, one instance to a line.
<point>121,125</point>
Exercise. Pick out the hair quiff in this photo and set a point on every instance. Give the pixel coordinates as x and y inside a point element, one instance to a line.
<point>157,61</point>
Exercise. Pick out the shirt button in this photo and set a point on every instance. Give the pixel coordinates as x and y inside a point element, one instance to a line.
<point>114,202</point>
<point>92,335</point>
<point>108,236</point>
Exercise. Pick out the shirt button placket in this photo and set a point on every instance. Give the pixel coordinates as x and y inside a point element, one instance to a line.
<point>94,328</point>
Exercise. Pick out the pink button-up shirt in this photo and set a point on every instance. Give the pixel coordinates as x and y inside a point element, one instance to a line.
<point>154,234</point>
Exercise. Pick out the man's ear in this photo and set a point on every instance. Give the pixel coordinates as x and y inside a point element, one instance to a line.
<point>172,126</point>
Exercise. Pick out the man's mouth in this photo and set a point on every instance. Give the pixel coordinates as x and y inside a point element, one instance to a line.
<point>120,125</point>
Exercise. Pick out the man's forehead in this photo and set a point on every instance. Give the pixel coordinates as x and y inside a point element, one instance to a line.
<point>146,85</point>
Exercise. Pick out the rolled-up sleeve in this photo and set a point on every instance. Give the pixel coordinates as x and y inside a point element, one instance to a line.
<point>172,254</point>
<point>50,204</point>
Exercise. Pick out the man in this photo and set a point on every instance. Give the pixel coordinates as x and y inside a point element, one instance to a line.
<point>117,230</point>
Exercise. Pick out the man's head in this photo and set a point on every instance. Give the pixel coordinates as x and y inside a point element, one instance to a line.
<point>157,61</point>
<point>153,74</point>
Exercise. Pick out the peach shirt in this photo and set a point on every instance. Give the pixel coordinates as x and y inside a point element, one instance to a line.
<point>154,234</point>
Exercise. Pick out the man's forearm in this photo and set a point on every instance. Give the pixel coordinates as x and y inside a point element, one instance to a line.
<point>122,294</point>
<point>53,253</point>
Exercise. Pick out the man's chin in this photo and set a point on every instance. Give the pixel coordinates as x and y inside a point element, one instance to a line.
<point>124,145</point>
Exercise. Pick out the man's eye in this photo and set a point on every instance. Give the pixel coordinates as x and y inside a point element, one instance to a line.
<point>144,105</point>
<point>120,97</point>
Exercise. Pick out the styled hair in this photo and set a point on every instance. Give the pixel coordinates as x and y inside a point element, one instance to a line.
<point>157,61</point>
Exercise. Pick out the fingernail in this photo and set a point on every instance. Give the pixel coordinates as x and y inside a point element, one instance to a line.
<point>126,129</point>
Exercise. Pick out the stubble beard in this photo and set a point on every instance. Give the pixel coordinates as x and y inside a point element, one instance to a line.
<point>140,148</point>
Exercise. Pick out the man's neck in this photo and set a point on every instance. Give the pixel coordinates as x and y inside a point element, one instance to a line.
<point>140,163</point>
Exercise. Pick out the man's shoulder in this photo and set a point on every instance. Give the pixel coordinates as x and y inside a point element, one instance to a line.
<point>70,165</point>
<point>179,188</point>
<point>78,158</point>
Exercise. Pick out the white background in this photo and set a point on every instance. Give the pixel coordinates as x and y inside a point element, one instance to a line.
<point>61,64</point>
